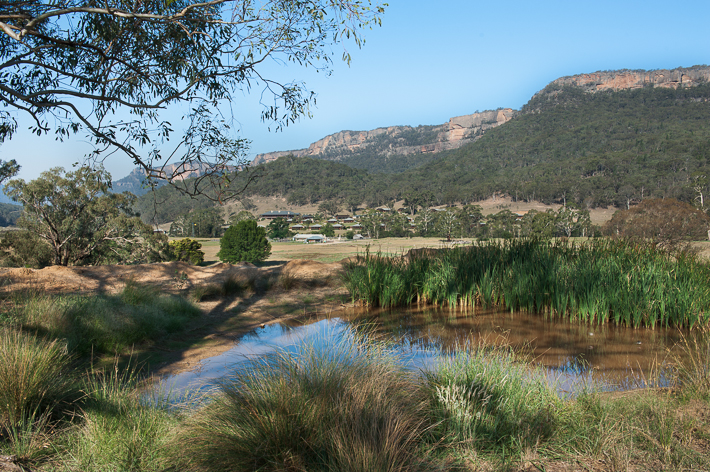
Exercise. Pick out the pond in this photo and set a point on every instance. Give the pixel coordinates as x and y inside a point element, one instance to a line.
<point>574,354</point>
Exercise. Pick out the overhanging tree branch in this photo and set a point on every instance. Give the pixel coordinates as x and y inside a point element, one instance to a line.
<point>89,60</point>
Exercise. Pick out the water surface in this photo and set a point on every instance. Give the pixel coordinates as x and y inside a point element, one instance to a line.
<point>574,354</point>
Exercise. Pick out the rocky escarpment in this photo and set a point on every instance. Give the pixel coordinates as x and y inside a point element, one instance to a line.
<point>401,140</point>
<point>630,79</point>
<point>134,182</point>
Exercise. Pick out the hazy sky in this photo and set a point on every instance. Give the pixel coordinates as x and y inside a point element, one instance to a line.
<point>433,60</point>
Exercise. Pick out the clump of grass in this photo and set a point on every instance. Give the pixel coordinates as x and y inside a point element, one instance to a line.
<point>118,430</point>
<point>34,379</point>
<point>691,364</point>
<point>230,286</point>
<point>33,376</point>
<point>137,294</point>
<point>488,399</point>
<point>288,281</point>
<point>105,323</point>
<point>205,292</point>
<point>338,406</point>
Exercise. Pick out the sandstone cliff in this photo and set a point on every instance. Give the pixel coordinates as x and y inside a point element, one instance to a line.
<point>401,140</point>
<point>630,79</point>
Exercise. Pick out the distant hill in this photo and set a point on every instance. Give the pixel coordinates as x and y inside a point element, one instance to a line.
<point>9,213</point>
<point>608,138</point>
<point>135,181</point>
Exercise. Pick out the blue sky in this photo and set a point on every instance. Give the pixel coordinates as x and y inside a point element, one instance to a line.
<point>433,60</point>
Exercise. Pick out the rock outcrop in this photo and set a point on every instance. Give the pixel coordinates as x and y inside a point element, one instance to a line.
<point>401,140</point>
<point>630,79</point>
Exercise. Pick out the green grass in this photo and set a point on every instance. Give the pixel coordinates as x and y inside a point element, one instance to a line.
<point>118,428</point>
<point>104,323</point>
<point>340,407</point>
<point>34,380</point>
<point>597,282</point>
<point>488,399</point>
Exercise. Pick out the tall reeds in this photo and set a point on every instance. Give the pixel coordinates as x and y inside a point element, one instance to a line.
<point>596,282</point>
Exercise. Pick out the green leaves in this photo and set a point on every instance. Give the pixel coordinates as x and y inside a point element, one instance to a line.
<point>245,242</point>
<point>81,221</point>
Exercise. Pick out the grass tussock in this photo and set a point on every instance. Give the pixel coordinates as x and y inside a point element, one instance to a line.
<point>233,285</point>
<point>104,323</point>
<point>33,380</point>
<point>118,429</point>
<point>597,282</point>
<point>341,407</point>
<point>490,400</point>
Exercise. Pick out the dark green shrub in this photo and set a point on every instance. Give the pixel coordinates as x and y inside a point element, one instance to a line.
<point>24,249</point>
<point>187,250</point>
<point>244,242</point>
<point>350,234</point>
<point>328,231</point>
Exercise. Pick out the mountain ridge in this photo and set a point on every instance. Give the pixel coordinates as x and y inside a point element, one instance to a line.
<point>458,131</point>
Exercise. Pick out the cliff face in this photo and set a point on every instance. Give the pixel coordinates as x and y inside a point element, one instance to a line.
<point>133,182</point>
<point>630,79</point>
<point>402,140</point>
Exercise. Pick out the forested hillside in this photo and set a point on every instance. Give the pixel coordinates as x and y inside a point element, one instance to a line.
<point>605,148</point>
<point>567,145</point>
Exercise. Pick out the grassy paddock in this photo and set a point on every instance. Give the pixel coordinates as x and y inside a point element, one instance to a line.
<point>597,282</point>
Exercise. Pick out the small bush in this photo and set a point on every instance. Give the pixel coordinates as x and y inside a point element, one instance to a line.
<point>245,242</point>
<point>24,249</point>
<point>187,250</point>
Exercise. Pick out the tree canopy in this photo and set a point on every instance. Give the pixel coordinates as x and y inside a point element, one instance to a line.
<point>111,69</point>
<point>81,221</point>
<point>244,242</point>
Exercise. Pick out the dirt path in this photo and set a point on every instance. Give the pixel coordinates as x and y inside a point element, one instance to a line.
<point>278,292</point>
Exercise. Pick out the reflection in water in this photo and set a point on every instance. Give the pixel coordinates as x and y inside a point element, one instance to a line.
<point>620,357</point>
<point>574,354</point>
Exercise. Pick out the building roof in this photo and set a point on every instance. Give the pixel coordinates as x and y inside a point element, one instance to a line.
<point>309,237</point>
<point>278,214</point>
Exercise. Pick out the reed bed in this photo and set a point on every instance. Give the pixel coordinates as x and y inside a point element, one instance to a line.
<point>596,282</point>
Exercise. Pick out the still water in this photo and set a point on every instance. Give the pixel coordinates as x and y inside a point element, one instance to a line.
<point>574,355</point>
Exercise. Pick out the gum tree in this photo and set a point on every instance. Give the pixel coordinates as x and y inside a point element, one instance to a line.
<point>111,69</point>
<point>81,221</point>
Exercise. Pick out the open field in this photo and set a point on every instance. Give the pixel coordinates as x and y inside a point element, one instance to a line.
<point>339,250</point>
<point>333,251</point>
